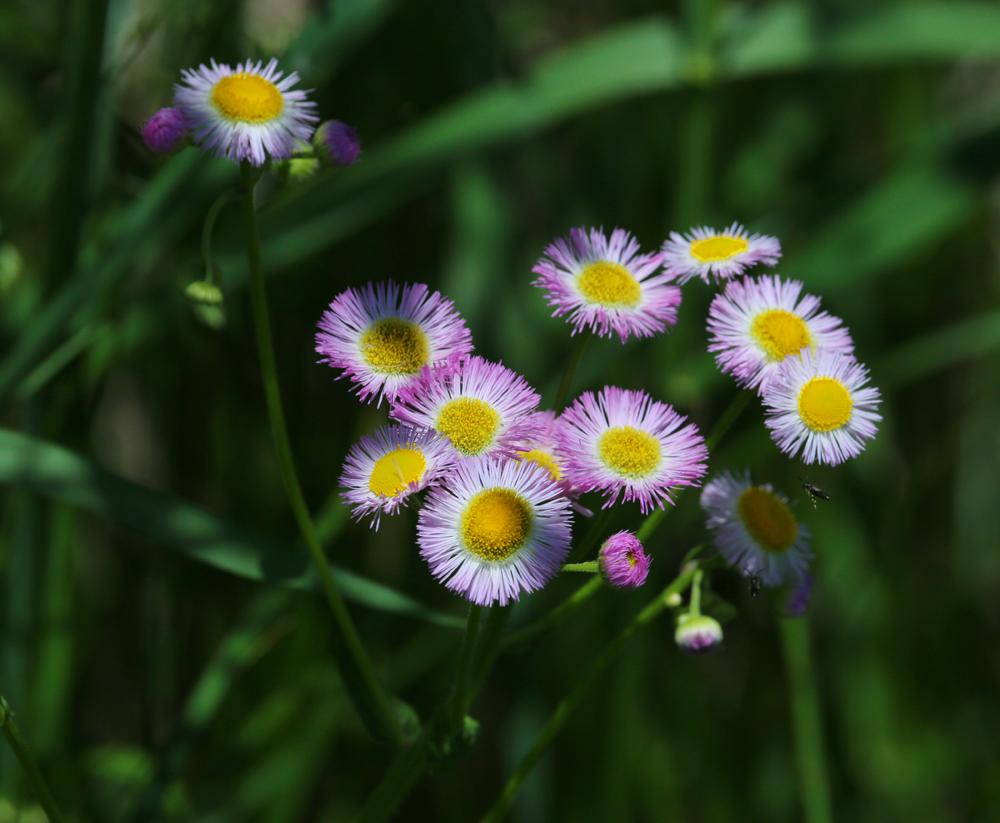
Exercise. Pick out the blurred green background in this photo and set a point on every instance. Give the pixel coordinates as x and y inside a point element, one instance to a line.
<point>151,671</point>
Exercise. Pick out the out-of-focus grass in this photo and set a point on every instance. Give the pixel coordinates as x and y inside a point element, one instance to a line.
<point>865,135</point>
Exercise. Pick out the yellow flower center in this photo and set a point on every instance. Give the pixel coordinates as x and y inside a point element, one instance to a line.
<point>247,97</point>
<point>629,452</point>
<point>780,333</point>
<point>717,248</point>
<point>825,404</point>
<point>395,471</point>
<point>768,519</point>
<point>393,345</point>
<point>469,423</point>
<point>543,459</point>
<point>496,523</point>
<point>609,284</point>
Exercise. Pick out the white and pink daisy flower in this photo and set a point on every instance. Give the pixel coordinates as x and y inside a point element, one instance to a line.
<point>498,528</point>
<point>724,254</point>
<point>247,113</point>
<point>383,335</point>
<point>607,285</point>
<point>756,323</point>
<point>481,407</point>
<point>817,404</point>
<point>754,529</point>
<point>384,469</point>
<point>628,445</point>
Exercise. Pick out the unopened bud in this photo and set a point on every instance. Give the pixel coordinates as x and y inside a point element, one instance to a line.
<point>203,292</point>
<point>166,131</point>
<point>337,143</point>
<point>697,633</point>
<point>622,562</point>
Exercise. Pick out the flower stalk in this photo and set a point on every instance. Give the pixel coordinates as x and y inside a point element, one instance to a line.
<point>38,784</point>
<point>367,694</point>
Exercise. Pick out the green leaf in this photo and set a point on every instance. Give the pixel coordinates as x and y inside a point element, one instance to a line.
<point>55,472</point>
<point>948,30</point>
<point>901,217</point>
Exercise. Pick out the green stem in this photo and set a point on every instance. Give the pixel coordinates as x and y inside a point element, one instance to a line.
<point>590,567</point>
<point>809,746</point>
<point>572,701</point>
<point>206,230</point>
<point>729,417</point>
<point>490,639</point>
<point>460,699</point>
<point>696,593</point>
<point>517,640</point>
<point>13,735</point>
<point>359,678</point>
<point>567,379</point>
<point>405,770</point>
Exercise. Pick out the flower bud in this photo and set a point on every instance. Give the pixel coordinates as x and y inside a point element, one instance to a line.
<point>798,597</point>
<point>295,169</point>
<point>697,633</point>
<point>337,143</point>
<point>166,131</point>
<point>201,291</point>
<point>622,562</point>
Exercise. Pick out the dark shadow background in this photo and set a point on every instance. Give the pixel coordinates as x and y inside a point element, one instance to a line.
<point>865,135</point>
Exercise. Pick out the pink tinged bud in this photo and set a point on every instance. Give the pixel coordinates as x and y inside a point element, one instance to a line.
<point>622,562</point>
<point>166,131</point>
<point>697,633</point>
<point>337,143</point>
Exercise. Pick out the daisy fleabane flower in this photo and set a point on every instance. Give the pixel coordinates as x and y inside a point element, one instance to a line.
<point>498,528</point>
<point>621,562</point>
<point>383,335</point>
<point>607,285</point>
<point>385,468</point>
<point>626,444</point>
<point>481,407</point>
<point>817,404</point>
<point>756,323</point>
<point>724,254</point>
<point>247,113</point>
<point>755,530</point>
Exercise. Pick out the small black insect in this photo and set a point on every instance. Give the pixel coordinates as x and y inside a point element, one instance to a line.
<point>814,493</point>
<point>755,582</point>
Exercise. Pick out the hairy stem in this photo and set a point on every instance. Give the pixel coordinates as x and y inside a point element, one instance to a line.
<point>567,379</point>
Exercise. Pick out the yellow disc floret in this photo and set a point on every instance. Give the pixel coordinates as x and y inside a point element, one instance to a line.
<point>496,524</point>
<point>395,471</point>
<point>825,404</point>
<point>609,284</point>
<point>248,98</point>
<point>780,333</point>
<point>469,423</point>
<point>394,345</point>
<point>768,519</point>
<point>543,459</point>
<point>717,248</point>
<point>629,452</point>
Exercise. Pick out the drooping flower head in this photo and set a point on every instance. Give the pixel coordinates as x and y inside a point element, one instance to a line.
<point>337,143</point>
<point>383,335</point>
<point>622,561</point>
<point>247,113</point>
<point>756,324</point>
<point>626,444</point>
<point>817,404</point>
<point>498,528</point>
<point>607,285</point>
<point>755,530</point>
<point>704,251</point>
<point>166,131</point>
<point>482,407</point>
<point>697,633</point>
<point>385,468</point>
